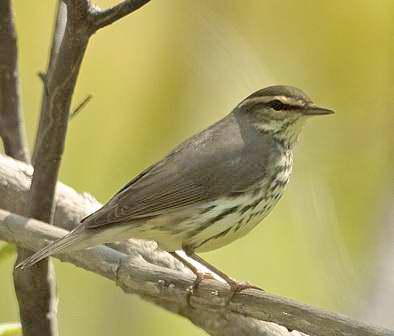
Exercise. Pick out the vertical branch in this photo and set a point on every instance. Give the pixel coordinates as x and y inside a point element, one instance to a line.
<point>34,293</point>
<point>35,288</point>
<point>57,37</point>
<point>60,84</point>
<point>11,123</point>
<point>11,126</point>
<point>68,46</point>
<point>76,21</point>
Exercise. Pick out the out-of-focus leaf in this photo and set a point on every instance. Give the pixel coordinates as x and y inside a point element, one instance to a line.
<point>10,329</point>
<point>6,250</point>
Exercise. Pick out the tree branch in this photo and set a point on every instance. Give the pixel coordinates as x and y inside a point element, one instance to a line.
<point>71,206</point>
<point>36,288</point>
<point>12,129</point>
<point>33,296</point>
<point>156,283</point>
<point>102,18</point>
<point>55,114</point>
<point>57,37</point>
<point>138,268</point>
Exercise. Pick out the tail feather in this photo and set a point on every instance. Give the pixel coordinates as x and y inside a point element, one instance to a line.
<point>70,239</point>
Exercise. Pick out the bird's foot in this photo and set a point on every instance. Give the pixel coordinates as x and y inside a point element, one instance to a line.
<point>237,287</point>
<point>200,276</point>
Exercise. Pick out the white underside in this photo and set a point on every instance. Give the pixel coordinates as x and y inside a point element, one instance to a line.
<point>189,228</point>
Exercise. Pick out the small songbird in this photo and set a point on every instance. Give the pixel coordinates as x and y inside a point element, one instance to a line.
<point>210,190</point>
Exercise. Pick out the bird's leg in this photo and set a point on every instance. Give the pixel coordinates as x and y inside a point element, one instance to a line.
<point>235,286</point>
<point>200,276</point>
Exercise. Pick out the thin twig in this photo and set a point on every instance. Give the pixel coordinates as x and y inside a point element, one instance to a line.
<point>102,18</point>
<point>81,106</point>
<point>43,78</point>
<point>57,34</point>
<point>57,37</point>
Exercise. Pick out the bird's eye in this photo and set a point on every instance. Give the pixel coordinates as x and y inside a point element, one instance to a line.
<point>276,105</point>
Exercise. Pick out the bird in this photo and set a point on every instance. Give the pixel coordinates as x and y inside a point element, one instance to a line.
<point>210,190</point>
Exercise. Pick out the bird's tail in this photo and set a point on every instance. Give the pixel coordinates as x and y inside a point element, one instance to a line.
<point>69,242</point>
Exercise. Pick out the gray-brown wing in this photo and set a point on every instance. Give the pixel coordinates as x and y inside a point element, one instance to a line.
<point>215,162</point>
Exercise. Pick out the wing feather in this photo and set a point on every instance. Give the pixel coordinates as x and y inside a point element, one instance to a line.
<point>199,170</point>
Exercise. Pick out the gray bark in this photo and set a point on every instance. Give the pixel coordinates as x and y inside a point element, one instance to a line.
<point>12,130</point>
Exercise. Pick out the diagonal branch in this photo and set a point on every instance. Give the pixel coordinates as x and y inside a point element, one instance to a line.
<point>156,283</point>
<point>71,207</point>
<point>102,18</point>
<point>154,275</point>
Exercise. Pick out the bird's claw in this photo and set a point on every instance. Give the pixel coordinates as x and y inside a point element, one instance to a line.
<point>200,276</point>
<point>239,286</point>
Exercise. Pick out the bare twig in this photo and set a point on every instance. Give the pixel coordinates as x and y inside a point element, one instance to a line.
<point>57,34</point>
<point>43,78</point>
<point>12,129</point>
<point>157,283</point>
<point>57,37</point>
<point>139,268</point>
<point>80,106</point>
<point>102,18</point>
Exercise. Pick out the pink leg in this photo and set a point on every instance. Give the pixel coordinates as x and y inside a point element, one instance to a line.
<point>235,286</point>
<point>200,276</point>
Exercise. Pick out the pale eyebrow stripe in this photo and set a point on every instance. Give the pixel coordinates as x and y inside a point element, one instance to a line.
<point>266,99</point>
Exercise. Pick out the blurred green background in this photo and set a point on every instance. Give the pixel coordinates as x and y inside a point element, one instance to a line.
<point>172,68</point>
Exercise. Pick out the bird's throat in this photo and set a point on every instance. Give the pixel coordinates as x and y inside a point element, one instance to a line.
<point>289,133</point>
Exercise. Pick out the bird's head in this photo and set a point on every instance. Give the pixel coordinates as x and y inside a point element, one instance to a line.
<point>280,111</point>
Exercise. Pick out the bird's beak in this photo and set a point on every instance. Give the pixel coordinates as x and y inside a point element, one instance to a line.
<point>313,110</point>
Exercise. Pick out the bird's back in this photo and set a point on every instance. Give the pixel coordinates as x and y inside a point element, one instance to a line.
<point>221,160</point>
